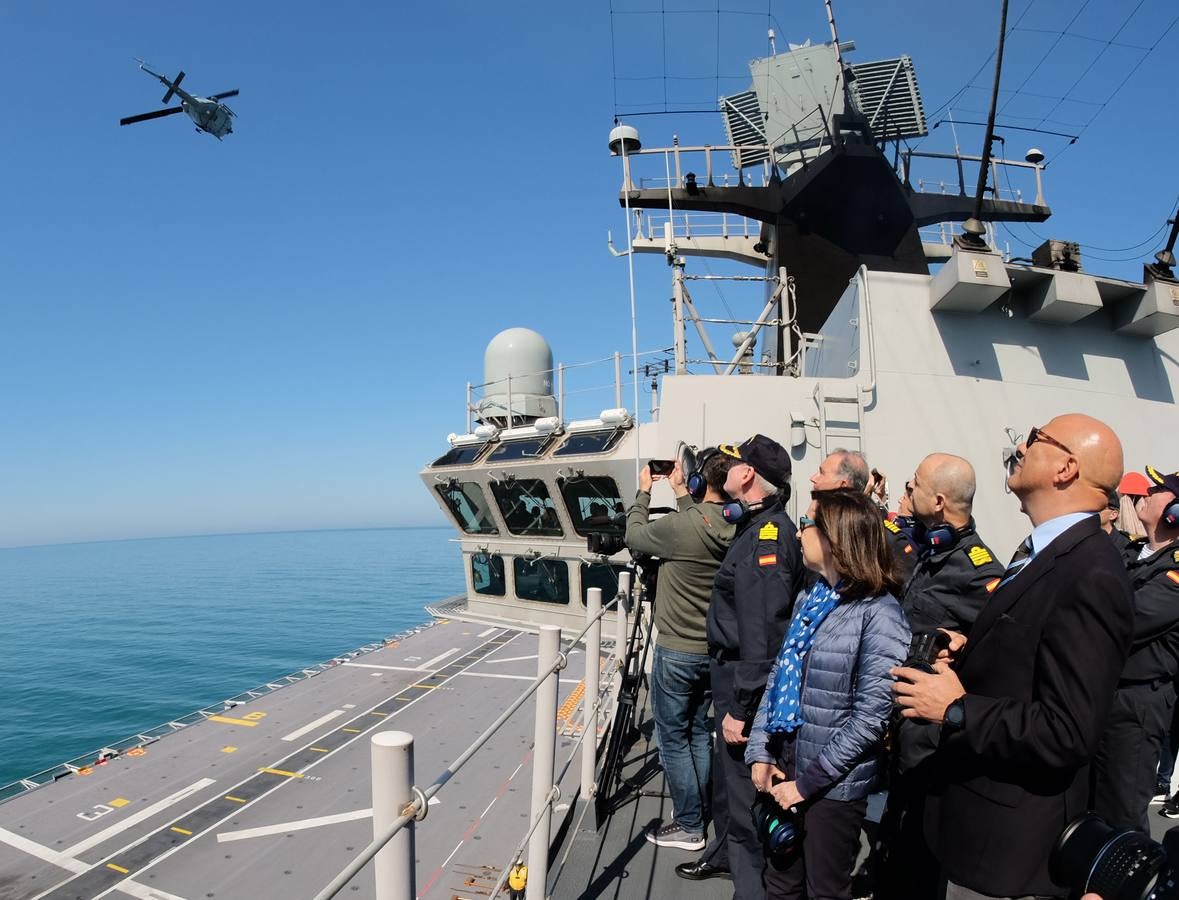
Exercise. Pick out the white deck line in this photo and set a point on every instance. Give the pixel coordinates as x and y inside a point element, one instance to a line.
<point>357,665</point>
<point>47,854</point>
<point>311,726</point>
<point>299,825</point>
<point>143,892</point>
<point>430,663</point>
<point>487,632</point>
<point>515,677</point>
<point>95,839</point>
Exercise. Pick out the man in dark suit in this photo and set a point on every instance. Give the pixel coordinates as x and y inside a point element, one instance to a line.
<point>1023,705</point>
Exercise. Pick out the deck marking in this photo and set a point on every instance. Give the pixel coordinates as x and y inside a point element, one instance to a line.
<point>299,825</point>
<point>494,662</point>
<point>95,839</point>
<point>349,706</point>
<point>117,868</point>
<point>512,677</point>
<point>437,659</point>
<point>357,665</point>
<point>226,720</point>
<point>351,730</point>
<point>452,853</point>
<point>282,772</point>
<point>311,726</point>
<point>426,687</point>
<point>319,749</point>
<point>487,632</point>
<point>119,802</point>
<point>180,830</point>
<point>47,854</point>
<point>229,749</point>
<point>234,799</point>
<point>143,892</point>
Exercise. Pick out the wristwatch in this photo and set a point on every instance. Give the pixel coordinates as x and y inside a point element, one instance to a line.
<point>955,716</point>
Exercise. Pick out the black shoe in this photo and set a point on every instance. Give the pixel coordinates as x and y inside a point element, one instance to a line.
<point>1161,791</point>
<point>1171,807</point>
<point>700,870</point>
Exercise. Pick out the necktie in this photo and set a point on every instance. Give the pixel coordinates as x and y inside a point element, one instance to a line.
<point>1019,559</point>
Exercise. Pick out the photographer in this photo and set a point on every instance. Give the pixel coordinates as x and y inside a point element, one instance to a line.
<point>817,740</point>
<point>690,543</point>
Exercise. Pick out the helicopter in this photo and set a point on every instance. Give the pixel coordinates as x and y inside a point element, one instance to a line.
<point>208,113</point>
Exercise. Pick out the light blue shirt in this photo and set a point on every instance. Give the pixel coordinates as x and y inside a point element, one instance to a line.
<point>1046,532</point>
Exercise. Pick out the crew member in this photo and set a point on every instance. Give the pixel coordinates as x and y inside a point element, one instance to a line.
<point>752,602</point>
<point>955,574</point>
<point>1127,762</point>
<point>690,544</point>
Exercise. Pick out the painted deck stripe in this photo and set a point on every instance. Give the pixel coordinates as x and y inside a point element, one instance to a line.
<point>117,868</point>
<point>487,632</point>
<point>143,892</point>
<point>351,730</point>
<point>437,659</point>
<point>282,772</point>
<point>300,825</point>
<point>95,839</point>
<point>495,662</point>
<point>180,830</point>
<point>319,749</point>
<point>226,720</point>
<point>311,726</point>
<point>357,665</point>
<point>235,799</point>
<point>512,677</point>
<point>46,854</point>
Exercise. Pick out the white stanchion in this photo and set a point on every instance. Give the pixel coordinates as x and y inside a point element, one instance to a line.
<point>543,763</point>
<point>392,759</point>
<point>593,663</point>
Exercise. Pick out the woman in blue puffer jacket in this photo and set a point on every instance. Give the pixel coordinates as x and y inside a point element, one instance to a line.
<point>817,740</point>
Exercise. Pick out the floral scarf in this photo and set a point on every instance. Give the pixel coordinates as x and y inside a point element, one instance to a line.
<point>785,711</point>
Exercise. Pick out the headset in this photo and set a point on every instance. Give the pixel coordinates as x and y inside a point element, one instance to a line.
<point>940,537</point>
<point>695,482</point>
<point>777,828</point>
<point>1171,513</point>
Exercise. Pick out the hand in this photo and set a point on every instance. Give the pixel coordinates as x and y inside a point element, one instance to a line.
<point>957,642</point>
<point>732,730</point>
<point>924,696</point>
<point>645,479</point>
<point>676,480</point>
<point>764,775</point>
<point>786,794</point>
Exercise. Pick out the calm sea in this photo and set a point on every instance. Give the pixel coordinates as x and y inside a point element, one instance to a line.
<point>99,641</point>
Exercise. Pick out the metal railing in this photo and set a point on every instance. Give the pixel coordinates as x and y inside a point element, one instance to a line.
<point>398,804</point>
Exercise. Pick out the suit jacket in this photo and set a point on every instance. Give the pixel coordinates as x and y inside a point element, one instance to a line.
<point>1040,669</point>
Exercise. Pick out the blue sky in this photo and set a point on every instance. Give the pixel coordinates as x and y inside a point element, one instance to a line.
<point>275,331</point>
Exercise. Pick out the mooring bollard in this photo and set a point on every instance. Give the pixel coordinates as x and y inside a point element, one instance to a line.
<point>543,762</point>
<point>392,759</point>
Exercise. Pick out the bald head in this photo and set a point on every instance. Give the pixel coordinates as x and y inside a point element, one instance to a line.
<point>943,490</point>
<point>1071,466</point>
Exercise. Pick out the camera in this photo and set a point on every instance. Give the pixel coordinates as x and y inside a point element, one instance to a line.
<point>778,829</point>
<point>1116,863</point>
<point>924,648</point>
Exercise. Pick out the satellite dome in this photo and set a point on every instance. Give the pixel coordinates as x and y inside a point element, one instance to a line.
<point>517,373</point>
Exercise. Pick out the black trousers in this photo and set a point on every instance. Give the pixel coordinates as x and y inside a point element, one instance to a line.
<point>821,869</point>
<point>905,867</point>
<point>735,843</point>
<point>1126,765</point>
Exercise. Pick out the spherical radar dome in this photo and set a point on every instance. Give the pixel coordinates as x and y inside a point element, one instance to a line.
<point>527,359</point>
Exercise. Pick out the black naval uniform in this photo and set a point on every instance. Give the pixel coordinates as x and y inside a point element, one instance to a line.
<point>1127,761</point>
<point>899,532</point>
<point>748,615</point>
<point>948,589</point>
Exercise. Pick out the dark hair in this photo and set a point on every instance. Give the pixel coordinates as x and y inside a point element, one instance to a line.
<point>716,470</point>
<point>851,523</point>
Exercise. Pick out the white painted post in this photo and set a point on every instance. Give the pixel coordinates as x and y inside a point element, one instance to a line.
<point>392,760</point>
<point>620,621</point>
<point>543,763</point>
<point>593,653</point>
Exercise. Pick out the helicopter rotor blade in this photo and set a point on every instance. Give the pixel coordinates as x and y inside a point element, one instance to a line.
<point>172,87</point>
<point>232,93</point>
<point>158,114</point>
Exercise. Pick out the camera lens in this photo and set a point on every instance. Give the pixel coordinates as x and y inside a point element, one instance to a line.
<point>1118,864</point>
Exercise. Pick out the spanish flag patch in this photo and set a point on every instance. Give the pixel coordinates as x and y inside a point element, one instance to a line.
<point>992,584</point>
<point>980,556</point>
<point>908,548</point>
<point>770,559</point>
<point>1174,576</point>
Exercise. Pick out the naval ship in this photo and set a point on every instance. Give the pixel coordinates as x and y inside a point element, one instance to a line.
<point>884,318</point>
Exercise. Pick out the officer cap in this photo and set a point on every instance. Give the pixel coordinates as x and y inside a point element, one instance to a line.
<point>768,458</point>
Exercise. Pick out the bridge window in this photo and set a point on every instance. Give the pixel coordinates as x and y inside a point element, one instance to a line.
<point>527,507</point>
<point>529,448</point>
<point>589,442</point>
<point>546,580</point>
<point>459,456</point>
<point>600,575</point>
<point>487,574</point>
<point>467,504</point>
<point>594,504</point>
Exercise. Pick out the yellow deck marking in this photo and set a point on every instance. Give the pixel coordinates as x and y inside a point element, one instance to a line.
<point>570,704</point>
<point>179,830</point>
<point>320,749</point>
<point>378,714</point>
<point>425,687</point>
<point>228,721</point>
<point>119,802</point>
<point>283,772</point>
<point>351,730</point>
<point>117,868</point>
<point>229,749</point>
<point>234,799</point>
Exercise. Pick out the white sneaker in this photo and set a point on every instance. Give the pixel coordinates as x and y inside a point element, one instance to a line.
<point>671,835</point>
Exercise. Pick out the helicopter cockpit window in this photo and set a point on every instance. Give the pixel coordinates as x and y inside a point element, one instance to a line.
<point>460,456</point>
<point>528,448</point>
<point>527,507</point>
<point>467,504</point>
<point>589,442</point>
<point>600,575</point>
<point>546,580</point>
<point>487,574</point>
<point>594,504</point>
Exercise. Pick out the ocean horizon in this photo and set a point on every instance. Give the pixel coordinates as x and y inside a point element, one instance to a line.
<point>105,639</point>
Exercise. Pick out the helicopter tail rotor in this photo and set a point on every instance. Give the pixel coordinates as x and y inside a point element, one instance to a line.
<point>172,87</point>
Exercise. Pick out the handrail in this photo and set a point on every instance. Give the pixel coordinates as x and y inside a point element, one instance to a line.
<point>419,806</point>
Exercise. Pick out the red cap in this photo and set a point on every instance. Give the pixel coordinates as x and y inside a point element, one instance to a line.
<point>1135,484</point>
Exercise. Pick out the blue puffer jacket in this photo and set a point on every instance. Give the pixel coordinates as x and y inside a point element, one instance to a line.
<point>846,701</point>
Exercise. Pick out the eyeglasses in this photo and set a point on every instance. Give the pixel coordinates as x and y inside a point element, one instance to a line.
<point>805,522</point>
<point>1037,434</point>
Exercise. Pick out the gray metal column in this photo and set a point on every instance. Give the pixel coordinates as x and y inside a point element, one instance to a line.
<point>392,758</point>
<point>593,663</point>
<point>543,763</point>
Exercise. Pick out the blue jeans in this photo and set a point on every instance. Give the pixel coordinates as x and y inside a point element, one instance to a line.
<point>681,694</point>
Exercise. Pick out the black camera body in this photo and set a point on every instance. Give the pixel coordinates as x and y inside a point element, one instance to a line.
<point>1092,856</point>
<point>924,648</point>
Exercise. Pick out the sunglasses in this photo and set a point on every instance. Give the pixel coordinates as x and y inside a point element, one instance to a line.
<point>1037,434</point>
<point>805,522</point>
